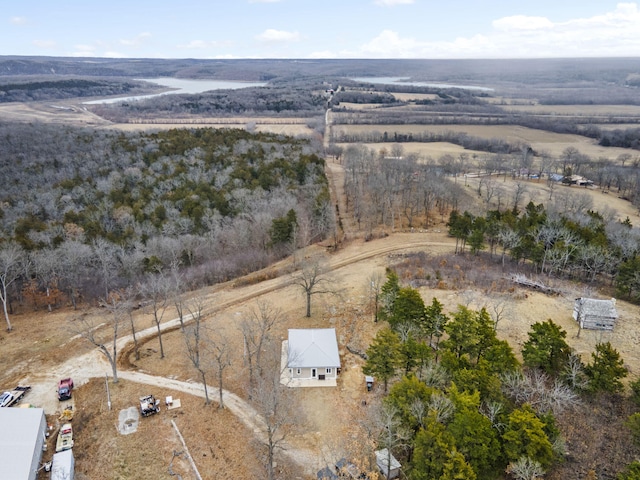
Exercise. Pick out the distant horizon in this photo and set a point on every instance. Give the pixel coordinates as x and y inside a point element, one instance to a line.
<point>612,57</point>
<point>329,30</point>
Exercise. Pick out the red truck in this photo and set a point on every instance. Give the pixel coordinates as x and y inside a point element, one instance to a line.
<point>65,387</point>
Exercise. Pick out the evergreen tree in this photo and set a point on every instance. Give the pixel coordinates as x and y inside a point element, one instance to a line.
<point>432,450</point>
<point>605,370</point>
<point>525,436</point>
<point>408,307</point>
<point>383,359</point>
<point>388,294</point>
<point>434,321</point>
<point>546,348</point>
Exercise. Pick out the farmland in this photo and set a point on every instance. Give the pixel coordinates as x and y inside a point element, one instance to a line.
<point>47,342</point>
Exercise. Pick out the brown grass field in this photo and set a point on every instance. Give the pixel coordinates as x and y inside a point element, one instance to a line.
<point>540,140</point>
<point>220,444</point>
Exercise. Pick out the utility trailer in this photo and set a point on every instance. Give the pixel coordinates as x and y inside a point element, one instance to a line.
<point>9,398</point>
<point>65,438</point>
<point>149,405</point>
<point>63,466</point>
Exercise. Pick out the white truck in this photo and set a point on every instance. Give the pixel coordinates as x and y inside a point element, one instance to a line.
<point>12,397</point>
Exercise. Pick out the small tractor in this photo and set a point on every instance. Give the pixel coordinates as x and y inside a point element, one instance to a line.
<point>149,405</point>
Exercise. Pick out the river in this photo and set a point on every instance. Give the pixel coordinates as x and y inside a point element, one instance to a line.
<point>181,85</point>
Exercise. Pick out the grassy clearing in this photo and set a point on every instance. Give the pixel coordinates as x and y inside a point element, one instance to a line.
<point>540,140</point>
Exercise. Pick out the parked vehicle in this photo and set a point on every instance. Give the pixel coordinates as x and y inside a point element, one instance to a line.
<point>149,405</point>
<point>65,387</point>
<point>12,397</point>
<point>62,467</point>
<point>65,438</point>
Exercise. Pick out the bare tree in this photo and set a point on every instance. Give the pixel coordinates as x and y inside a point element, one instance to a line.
<point>276,405</point>
<point>105,258</point>
<point>177,291</point>
<point>76,257</point>
<point>525,469</point>
<point>256,328</point>
<point>500,308</point>
<point>129,300</point>
<point>391,434</point>
<point>156,291</point>
<point>376,280</point>
<point>116,307</point>
<point>194,342</point>
<point>518,193</point>
<point>220,348</point>
<point>313,278</point>
<point>535,388</point>
<point>12,259</point>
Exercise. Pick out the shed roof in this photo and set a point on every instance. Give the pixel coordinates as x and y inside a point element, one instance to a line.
<point>313,347</point>
<point>381,459</point>
<point>21,428</point>
<point>598,308</point>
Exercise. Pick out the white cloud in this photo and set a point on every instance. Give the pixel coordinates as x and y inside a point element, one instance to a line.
<point>83,51</point>
<point>135,41</point>
<point>18,20</point>
<point>277,36</point>
<point>44,43</point>
<point>522,22</point>
<point>202,44</point>
<point>393,3</point>
<point>613,33</point>
<point>389,44</point>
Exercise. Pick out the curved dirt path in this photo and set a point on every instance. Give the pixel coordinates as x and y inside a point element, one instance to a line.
<point>221,297</point>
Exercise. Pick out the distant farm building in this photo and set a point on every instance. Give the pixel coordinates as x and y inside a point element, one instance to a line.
<point>594,314</point>
<point>578,180</point>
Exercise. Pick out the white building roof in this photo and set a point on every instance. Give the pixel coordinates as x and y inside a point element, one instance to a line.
<point>382,456</point>
<point>20,429</point>
<point>313,347</point>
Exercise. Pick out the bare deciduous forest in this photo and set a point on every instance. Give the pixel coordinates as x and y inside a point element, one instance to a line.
<point>129,223</point>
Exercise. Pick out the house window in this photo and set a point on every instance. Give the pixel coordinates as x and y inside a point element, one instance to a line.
<point>329,370</point>
<point>290,371</point>
<point>298,371</point>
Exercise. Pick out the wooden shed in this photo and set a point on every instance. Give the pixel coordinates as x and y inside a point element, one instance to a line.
<point>594,314</point>
<point>387,463</point>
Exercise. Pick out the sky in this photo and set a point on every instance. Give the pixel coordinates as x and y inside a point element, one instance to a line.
<point>303,29</point>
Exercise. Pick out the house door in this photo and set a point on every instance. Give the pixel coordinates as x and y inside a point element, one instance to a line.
<point>313,373</point>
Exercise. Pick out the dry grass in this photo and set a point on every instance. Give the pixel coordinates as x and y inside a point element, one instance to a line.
<point>540,140</point>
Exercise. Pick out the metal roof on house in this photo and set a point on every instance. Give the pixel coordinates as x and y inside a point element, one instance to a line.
<point>598,308</point>
<point>20,429</point>
<point>313,347</point>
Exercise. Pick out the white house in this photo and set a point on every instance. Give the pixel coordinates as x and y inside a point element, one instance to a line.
<point>21,442</point>
<point>312,357</point>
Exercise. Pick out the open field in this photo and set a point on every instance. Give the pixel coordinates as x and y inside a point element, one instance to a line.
<point>70,113</point>
<point>577,110</point>
<point>540,140</point>
<point>425,151</point>
<point>331,414</point>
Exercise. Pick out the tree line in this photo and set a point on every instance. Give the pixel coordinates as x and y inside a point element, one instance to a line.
<point>85,212</point>
<point>458,403</point>
<point>575,245</point>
